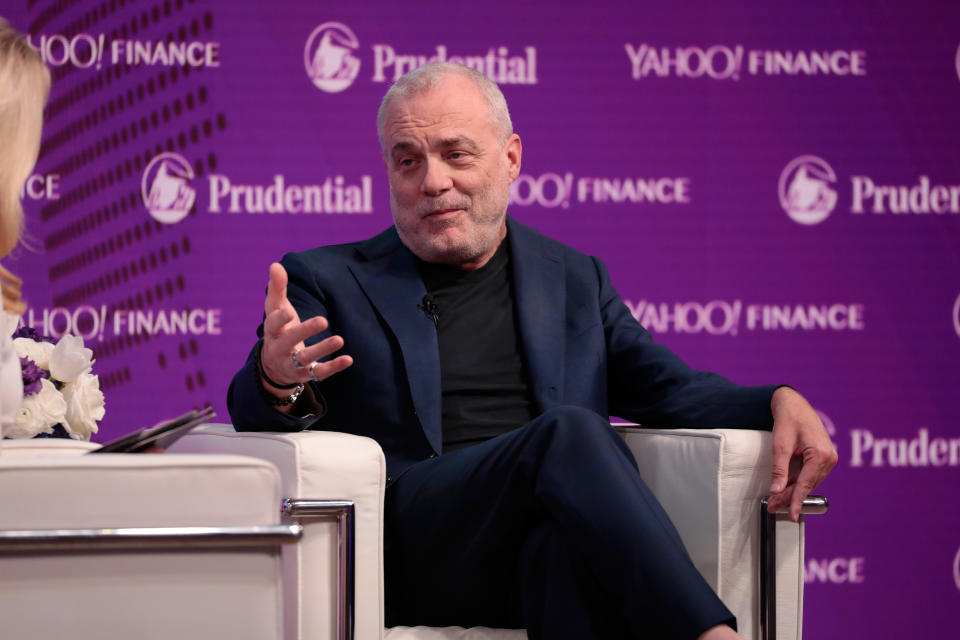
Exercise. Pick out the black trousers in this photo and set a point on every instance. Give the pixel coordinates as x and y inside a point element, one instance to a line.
<point>548,528</point>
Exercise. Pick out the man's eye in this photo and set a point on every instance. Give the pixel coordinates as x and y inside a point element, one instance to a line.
<point>406,162</point>
<point>456,155</point>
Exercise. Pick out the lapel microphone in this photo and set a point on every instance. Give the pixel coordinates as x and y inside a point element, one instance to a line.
<point>430,309</point>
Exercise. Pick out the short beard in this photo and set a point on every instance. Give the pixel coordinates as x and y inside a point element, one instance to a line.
<point>455,255</point>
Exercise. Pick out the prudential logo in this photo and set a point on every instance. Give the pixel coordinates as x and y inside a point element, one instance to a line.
<point>805,192</point>
<point>956,569</point>
<point>956,316</point>
<point>328,57</point>
<point>165,188</point>
<point>958,61</point>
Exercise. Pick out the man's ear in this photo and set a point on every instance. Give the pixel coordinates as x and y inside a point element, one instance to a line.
<point>512,151</point>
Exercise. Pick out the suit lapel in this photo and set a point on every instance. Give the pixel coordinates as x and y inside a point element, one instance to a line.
<point>540,299</point>
<point>391,282</point>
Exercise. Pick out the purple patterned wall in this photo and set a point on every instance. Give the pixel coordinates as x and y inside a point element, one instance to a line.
<point>775,189</point>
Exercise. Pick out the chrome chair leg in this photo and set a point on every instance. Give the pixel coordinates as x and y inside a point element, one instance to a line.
<point>343,511</point>
<point>768,560</point>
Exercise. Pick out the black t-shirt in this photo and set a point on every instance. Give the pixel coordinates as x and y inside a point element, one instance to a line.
<point>484,384</point>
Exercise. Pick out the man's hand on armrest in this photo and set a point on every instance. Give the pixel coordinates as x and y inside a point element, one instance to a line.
<point>285,361</point>
<point>803,454</point>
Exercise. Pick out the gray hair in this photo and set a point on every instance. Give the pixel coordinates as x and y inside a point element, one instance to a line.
<point>24,87</point>
<point>424,78</point>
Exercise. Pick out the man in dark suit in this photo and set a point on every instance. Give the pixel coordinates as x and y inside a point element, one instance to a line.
<point>487,360</point>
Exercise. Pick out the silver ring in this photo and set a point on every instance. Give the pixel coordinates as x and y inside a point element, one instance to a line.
<point>313,376</point>
<point>293,359</point>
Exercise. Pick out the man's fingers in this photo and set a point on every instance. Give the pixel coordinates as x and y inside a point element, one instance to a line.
<point>814,470</point>
<point>817,463</point>
<point>810,475</point>
<point>320,350</point>
<point>282,329</point>
<point>802,452</point>
<point>780,500</point>
<point>831,460</point>
<point>277,355</point>
<point>284,335</point>
<point>276,288</point>
<point>323,370</point>
<point>276,321</point>
<point>781,465</point>
<point>304,330</point>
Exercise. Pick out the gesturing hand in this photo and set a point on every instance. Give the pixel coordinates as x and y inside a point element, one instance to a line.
<point>803,454</point>
<point>285,359</point>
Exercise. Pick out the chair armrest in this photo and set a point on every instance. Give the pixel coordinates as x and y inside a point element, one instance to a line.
<point>46,447</point>
<point>710,482</point>
<point>319,465</point>
<point>169,585</point>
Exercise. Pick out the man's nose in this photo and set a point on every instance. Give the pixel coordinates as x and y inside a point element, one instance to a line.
<point>436,178</point>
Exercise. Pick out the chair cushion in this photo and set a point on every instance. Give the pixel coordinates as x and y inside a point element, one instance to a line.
<point>139,593</point>
<point>46,446</point>
<point>710,483</point>
<point>319,465</point>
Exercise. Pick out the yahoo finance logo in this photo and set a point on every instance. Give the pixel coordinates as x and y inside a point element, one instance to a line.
<point>805,190</point>
<point>166,189</point>
<point>328,57</point>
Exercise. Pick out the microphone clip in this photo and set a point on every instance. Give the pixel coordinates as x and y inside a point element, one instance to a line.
<point>430,309</point>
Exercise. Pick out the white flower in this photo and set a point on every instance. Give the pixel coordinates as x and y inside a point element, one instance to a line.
<point>69,359</point>
<point>84,402</point>
<point>39,412</point>
<point>39,352</point>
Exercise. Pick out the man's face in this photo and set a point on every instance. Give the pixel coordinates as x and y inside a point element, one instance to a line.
<point>449,175</point>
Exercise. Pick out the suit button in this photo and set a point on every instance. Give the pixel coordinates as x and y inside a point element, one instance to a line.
<point>433,455</point>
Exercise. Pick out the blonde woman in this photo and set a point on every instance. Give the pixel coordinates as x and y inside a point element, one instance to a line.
<point>24,86</point>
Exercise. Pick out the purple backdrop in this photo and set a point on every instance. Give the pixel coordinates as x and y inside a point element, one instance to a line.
<point>776,191</point>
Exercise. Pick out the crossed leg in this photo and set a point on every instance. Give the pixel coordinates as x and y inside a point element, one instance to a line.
<point>548,527</point>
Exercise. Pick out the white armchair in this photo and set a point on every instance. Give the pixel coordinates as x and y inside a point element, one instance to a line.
<point>138,546</point>
<point>709,481</point>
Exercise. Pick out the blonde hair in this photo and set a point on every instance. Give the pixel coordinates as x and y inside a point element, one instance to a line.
<point>24,87</point>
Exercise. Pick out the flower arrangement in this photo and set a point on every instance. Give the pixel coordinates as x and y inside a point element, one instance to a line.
<point>59,390</point>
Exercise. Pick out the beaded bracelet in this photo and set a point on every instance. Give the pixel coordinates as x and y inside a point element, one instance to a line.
<point>269,397</point>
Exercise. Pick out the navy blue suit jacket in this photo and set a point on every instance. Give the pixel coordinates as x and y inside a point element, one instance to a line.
<point>581,346</point>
